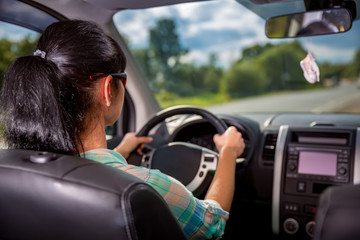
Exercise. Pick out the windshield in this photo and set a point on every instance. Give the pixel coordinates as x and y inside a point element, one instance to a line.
<point>215,54</point>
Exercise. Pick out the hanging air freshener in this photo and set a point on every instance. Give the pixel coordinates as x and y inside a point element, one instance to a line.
<point>310,69</point>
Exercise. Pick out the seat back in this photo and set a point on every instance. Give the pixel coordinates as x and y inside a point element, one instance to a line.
<point>53,196</point>
<point>338,214</point>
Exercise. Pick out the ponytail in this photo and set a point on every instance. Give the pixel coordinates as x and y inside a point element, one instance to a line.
<point>31,107</point>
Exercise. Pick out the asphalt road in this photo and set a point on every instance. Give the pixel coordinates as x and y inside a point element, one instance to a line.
<point>342,98</point>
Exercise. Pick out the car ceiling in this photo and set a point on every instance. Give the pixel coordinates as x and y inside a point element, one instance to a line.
<point>101,11</point>
<point>33,15</point>
<point>135,4</point>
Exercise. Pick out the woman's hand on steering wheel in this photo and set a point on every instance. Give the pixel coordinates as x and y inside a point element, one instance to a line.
<point>130,143</point>
<point>231,140</point>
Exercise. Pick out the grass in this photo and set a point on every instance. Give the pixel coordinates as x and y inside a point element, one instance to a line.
<point>167,99</point>
<point>202,100</point>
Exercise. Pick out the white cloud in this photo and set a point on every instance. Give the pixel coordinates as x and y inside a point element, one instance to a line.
<point>219,15</point>
<point>195,18</point>
<point>220,27</point>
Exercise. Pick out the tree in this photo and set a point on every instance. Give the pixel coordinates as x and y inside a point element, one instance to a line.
<point>165,46</point>
<point>352,70</point>
<point>165,43</point>
<point>266,68</point>
<point>255,50</point>
<point>9,50</point>
<point>280,64</point>
<point>6,56</point>
<point>242,79</point>
<point>210,75</point>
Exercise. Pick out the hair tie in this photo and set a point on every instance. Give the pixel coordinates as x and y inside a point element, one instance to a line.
<point>40,53</point>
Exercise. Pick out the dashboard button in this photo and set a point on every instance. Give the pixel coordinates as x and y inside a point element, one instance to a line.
<point>301,186</point>
<point>342,171</point>
<point>292,167</point>
<point>311,209</point>
<point>293,207</point>
<point>291,226</point>
<point>309,228</point>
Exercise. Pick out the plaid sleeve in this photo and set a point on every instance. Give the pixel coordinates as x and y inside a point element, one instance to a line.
<point>199,219</point>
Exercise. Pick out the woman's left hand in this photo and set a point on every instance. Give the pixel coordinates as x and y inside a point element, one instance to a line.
<point>131,142</point>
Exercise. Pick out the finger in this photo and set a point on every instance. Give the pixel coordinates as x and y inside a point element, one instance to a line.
<point>130,134</point>
<point>140,148</point>
<point>231,129</point>
<point>142,140</point>
<point>215,137</point>
<point>139,151</point>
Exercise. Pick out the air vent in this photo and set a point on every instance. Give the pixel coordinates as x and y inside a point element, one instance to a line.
<point>269,149</point>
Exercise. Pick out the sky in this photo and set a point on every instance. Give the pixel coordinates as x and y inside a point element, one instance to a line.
<point>225,28</point>
<point>14,32</point>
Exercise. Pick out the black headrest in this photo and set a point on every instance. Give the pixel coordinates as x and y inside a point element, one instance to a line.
<point>53,196</point>
<point>338,214</point>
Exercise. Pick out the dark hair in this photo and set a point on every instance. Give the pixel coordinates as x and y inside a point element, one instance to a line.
<point>46,99</point>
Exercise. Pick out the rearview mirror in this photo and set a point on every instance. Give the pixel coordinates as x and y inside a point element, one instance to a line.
<point>309,23</point>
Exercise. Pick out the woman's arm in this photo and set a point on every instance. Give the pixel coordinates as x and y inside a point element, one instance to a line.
<point>230,145</point>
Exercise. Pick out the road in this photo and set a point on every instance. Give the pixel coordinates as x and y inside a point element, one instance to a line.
<point>343,98</point>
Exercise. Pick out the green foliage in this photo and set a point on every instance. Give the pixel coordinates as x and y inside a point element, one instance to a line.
<point>336,72</point>
<point>164,51</point>
<point>9,50</point>
<point>255,50</point>
<point>352,71</point>
<point>261,69</point>
<point>280,58</point>
<point>6,56</point>
<point>167,99</point>
<point>165,72</point>
<point>328,70</point>
<point>164,41</point>
<point>243,80</point>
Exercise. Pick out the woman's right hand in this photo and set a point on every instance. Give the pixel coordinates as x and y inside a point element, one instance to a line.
<point>230,145</point>
<point>230,141</point>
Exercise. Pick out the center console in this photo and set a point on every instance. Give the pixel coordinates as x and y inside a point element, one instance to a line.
<point>307,161</point>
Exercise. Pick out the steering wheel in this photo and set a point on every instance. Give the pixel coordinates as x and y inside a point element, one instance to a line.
<point>191,164</point>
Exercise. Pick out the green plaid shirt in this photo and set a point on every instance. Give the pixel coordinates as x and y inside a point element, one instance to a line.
<point>199,219</point>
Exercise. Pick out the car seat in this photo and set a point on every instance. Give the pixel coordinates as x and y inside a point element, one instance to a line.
<point>338,214</point>
<point>53,196</point>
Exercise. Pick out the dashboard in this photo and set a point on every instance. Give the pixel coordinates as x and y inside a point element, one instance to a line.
<point>292,159</point>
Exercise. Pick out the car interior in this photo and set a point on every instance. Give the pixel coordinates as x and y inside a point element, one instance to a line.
<point>298,176</point>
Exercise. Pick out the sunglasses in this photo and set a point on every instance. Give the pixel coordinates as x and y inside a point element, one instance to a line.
<point>116,76</point>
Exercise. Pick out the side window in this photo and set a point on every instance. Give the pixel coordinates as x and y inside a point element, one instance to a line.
<point>15,41</point>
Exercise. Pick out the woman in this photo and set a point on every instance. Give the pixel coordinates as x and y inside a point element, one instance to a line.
<point>62,98</point>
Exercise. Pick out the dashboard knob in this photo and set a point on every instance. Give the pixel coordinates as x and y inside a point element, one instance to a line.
<point>291,226</point>
<point>342,171</point>
<point>292,167</point>
<point>309,228</point>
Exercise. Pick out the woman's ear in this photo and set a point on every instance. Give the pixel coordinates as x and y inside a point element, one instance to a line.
<point>107,90</point>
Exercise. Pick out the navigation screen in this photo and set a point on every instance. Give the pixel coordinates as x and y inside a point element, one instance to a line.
<point>317,163</point>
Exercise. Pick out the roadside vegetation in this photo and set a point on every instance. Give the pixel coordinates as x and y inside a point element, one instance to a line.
<point>259,70</point>
<point>175,82</point>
